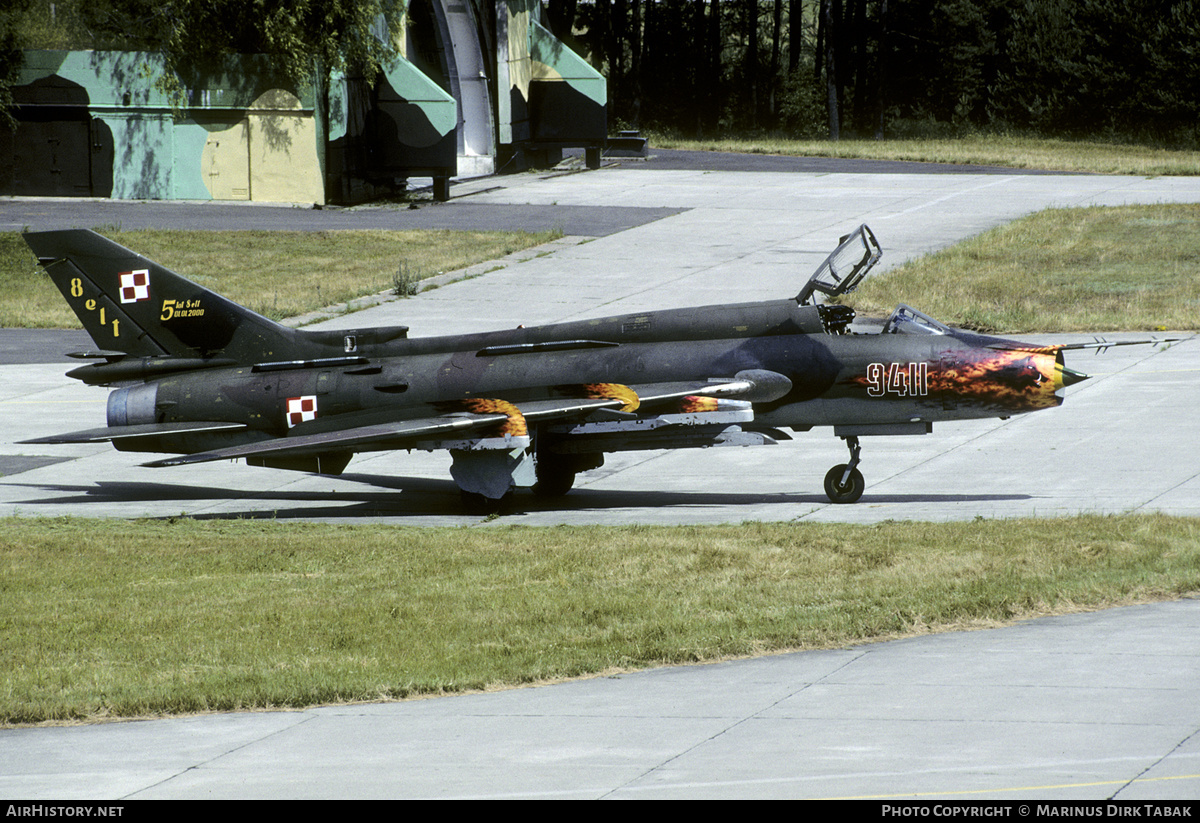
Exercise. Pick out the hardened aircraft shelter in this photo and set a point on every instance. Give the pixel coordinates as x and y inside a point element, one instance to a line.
<point>479,86</point>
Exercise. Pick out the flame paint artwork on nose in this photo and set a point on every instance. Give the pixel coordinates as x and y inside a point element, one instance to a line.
<point>1012,380</point>
<point>1003,380</point>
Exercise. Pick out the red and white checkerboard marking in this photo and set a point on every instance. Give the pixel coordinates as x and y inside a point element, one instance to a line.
<point>300,409</point>
<point>135,286</point>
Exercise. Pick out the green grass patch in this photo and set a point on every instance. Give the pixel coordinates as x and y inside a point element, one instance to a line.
<point>277,274</point>
<point>1125,268</point>
<point>112,618</point>
<point>984,150</point>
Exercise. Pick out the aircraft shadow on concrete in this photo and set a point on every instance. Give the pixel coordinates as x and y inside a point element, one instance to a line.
<point>398,496</point>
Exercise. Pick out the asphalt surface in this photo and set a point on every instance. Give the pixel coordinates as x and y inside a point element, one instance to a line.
<point>464,211</point>
<point>462,214</point>
<point>716,236</point>
<point>678,160</point>
<point>1086,706</point>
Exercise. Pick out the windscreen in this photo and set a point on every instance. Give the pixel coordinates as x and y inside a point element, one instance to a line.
<point>907,320</point>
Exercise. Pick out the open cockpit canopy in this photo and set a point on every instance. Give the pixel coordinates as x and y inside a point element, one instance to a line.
<point>844,268</point>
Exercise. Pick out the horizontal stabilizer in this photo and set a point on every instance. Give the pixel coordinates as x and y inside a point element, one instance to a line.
<point>110,433</point>
<point>122,369</point>
<point>379,437</point>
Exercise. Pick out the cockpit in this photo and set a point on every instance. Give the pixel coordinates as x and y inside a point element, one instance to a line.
<point>842,271</point>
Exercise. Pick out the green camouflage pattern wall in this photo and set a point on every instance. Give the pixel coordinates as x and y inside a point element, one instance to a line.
<point>93,123</point>
<point>239,138</point>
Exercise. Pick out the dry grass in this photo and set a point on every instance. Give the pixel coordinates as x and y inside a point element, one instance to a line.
<point>985,150</point>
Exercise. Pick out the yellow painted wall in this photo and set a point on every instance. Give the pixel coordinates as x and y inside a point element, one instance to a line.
<point>226,163</point>
<point>270,156</point>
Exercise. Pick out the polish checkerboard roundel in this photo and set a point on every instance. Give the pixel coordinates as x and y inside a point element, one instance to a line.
<point>301,409</point>
<point>135,286</point>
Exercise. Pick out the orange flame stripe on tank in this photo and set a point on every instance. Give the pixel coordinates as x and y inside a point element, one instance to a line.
<point>613,391</point>
<point>515,425</point>
<point>692,404</point>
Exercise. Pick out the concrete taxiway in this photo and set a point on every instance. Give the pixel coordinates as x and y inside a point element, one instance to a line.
<point>1123,441</point>
<point>1085,706</point>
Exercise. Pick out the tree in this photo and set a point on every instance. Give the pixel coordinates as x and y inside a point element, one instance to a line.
<point>10,56</point>
<point>299,36</point>
<point>829,27</point>
<point>1119,68</point>
<point>303,39</point>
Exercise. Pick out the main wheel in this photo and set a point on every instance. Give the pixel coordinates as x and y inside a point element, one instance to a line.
<point>553,479</point>
<point>848,493</point>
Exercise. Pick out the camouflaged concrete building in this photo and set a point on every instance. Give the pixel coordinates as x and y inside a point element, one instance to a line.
<point>481,86</point>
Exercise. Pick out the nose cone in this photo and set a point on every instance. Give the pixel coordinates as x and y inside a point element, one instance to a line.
<point>1064,377</point>
<point>1070,377</point>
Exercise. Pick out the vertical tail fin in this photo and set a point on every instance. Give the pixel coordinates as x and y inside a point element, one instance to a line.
<point>130,304</point>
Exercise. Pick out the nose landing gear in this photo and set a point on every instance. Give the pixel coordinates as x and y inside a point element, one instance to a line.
<point>844,483</point>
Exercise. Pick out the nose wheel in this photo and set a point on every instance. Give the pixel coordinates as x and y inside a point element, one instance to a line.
<point>844,483</point>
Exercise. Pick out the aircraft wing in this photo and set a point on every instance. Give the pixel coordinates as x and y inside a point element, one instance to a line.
<point>755,385</point>
<point>476,418</point>
<point>381,436</point>
<point>394,435</point>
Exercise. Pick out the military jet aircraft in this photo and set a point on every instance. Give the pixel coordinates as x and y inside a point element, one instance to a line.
<point>202,377</point>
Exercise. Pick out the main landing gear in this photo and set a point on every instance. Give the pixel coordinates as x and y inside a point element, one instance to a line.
<point>555,475</point>
<point>556,472</point>
<point>487,478</point>
<point>844,483</point>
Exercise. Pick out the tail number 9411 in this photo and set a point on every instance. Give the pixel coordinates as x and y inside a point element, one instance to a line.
<point>898,379</point>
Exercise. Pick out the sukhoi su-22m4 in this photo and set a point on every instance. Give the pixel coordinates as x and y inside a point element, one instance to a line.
<point>201,377</point>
